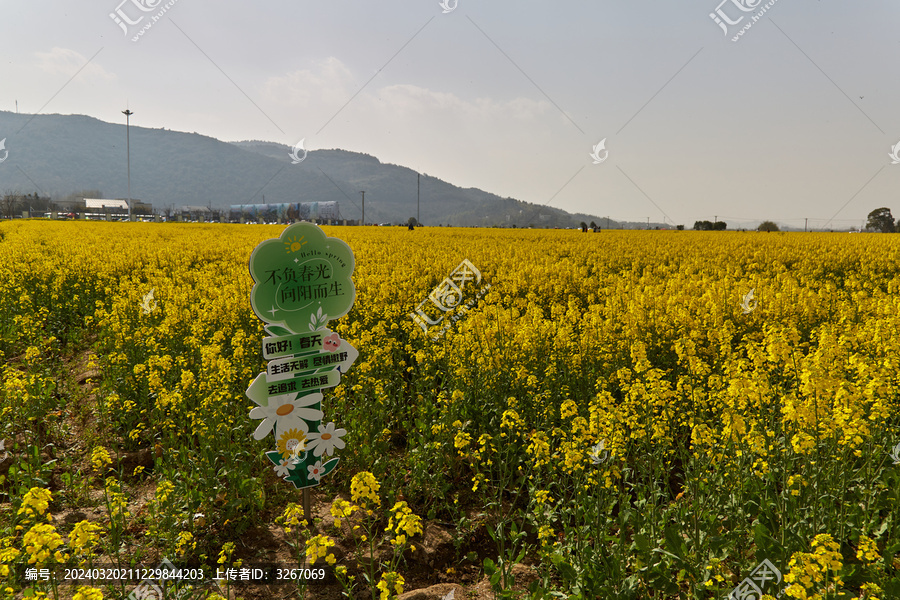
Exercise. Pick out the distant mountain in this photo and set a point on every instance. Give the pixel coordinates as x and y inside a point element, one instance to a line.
<point>56,155</point>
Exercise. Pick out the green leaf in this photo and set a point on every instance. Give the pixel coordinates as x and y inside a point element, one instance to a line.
<point>490,567</point>
<point>566,571</point>
<point>536,591</point>
<point>674,542</point>
<point>277,330</point>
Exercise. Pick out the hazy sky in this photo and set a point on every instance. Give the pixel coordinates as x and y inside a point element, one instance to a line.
<point>795,119</point>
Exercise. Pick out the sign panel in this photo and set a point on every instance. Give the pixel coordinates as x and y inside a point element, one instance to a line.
<point>302,279</point>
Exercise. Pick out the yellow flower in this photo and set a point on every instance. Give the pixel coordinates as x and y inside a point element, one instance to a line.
<point>317,547</point>
<point>84,536</point>
<point>568,409</point>
<point>293,515</point>
<point>341,509</point>
<point>40,543</point>
<point>403,523</point>
<point>100,458</point>
<point>163,489</point>
<point>118,504</point>
<point>868,550</point>
<point>390,580</point>
<point>809,569</point>
<point>225,552</point>
<point>88,593</point>
<point>35,502</point>
<point>185,543</point>
<point>542,497</point>
<point>461,441</point>
<point>545,534</point>
<point>364,489</point>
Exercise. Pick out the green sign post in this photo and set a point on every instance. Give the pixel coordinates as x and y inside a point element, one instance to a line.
<point>302,279</point>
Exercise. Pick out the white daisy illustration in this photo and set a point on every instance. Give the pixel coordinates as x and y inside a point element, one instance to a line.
<point>285,413</point>
<point>316,471</point>
<point>326,440</point>
<point>283,468</point>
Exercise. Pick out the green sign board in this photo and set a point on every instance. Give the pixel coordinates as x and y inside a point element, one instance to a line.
<point>263,388</point>
<point>301,280</point>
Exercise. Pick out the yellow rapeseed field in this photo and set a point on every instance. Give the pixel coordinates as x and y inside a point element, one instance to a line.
<point>633,414</point>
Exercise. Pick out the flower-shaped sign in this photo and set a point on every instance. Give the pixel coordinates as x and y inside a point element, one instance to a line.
<point>302,279</point>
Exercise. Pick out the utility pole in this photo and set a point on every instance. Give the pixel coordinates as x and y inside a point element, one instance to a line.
<point>805,221</point>
<point>128,114</point>
<point>363,208</point>
<point>648,222</point>
<point>417,200</point>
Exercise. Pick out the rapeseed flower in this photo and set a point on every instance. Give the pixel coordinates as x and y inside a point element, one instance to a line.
<point>391,584</point>
<point>35,502</point>
<point>88,593</point>
<point>403,523</point>
<point>317,547</point>
<point>41,542</point>
<point>364,489</point>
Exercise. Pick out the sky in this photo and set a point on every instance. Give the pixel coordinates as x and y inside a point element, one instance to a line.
<point>784,109</point>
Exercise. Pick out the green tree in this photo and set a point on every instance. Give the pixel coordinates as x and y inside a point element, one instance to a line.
<point>881,220</point>
<point>767,226</point>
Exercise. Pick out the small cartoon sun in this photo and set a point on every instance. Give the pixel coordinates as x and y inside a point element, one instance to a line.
<point>293,244</point>
<point>290,440</point>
